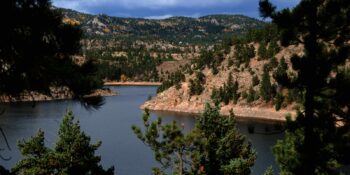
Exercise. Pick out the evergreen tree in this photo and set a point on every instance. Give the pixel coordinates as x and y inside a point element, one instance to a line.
<point>262,51</point>
<point>281,70</point>
<point>215,96</point>
<point>36,50</point>
<point>173,79</point>
<point>225,150</point>
<point>269,171</point>
<point>266,87</point>
<point>252,95</point>
<point>228,92</point>
<point>273,49</point>
<point>196,85</point>
<point>273,61</point>
<point>214,146</point>
<point>313,143</point>
<point>255,80</point>
<point>172,148</point>
<point>244,52</point>
<point>279,101</point>
<point>73,153</point>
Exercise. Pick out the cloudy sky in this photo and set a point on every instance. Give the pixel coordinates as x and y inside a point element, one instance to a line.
<point>168,8</point>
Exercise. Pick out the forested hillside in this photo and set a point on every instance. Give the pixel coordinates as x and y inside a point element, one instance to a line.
<point>148,49</point>
<point>239,75</point>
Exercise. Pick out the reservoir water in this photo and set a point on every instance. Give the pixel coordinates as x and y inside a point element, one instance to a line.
<point>111,124</point>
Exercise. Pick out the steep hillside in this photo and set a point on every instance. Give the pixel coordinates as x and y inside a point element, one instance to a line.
<point>204,30</point>
<point>245,86</point>
<point>150,50</point>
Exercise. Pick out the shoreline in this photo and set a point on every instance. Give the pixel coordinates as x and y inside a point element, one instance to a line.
<point>57,96</point>
<point>238,117</point>
<point>241,112</point>
<point>131,83</point>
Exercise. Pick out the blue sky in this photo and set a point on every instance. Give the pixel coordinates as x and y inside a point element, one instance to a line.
<point>158,9</point>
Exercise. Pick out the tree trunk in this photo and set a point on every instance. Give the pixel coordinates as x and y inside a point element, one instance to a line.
<point>180,163</point>
<point>309,146</point>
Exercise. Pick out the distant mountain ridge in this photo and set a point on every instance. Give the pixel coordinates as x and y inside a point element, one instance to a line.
<point>152,49</point>
<point>209,29</point>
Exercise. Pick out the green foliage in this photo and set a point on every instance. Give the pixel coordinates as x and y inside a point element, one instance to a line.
<point>73,153</point>
<point>36,51</point>
<point>227,93</point>
<point>294,95</point>
<point>214,146</point>
<point>225,150</point>
<point>273,62</point>
<point>244,95</point>
<point>281,71</point>
<point>266,87</point>
<point>210,58</point>
<point>268,47</point>
<point>180,31</point>
<point>272,49</point>
<point>252,95</point>
<point>173,79</point>
<point>262,51</point>
<point>196,85</point>
<point>314,142</point>
<point>243,53</point>
<point>269,171</point>
<point>286,151</point>
<point>279,101</point>
<point>172,148</point>
<point>267,33</point>
<point>136,63</point>
<point>255,80</point>
<point>136,37</point>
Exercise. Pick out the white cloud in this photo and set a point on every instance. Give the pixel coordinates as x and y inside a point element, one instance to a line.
<point>159,17</point>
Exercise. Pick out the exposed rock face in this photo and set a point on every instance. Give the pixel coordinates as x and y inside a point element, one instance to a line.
<point>179,100</point>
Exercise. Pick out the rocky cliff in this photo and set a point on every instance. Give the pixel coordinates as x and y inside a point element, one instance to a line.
<point>179,99</point>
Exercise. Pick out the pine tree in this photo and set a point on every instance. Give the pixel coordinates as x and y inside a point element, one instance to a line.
<point>73,153</point>
<point>273,49</point>
<point>252,95</point>
<point>196,85</point>
<point>281,70</point>
<point>214,146</point>
<point>269,171</point>
<point>225,150</point>
<point>279,101</point>
<point>273,61</point>
<point>314,145</point>
<point>255,80</point>
<point>37,158</point>
<point>172,148</point>
<point>36,50</point>
<point>262,51</point>
<point>266,87</point>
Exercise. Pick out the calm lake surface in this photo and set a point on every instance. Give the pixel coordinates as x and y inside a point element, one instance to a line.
<point>111,124</point>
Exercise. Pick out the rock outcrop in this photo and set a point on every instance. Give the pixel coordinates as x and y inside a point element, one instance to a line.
<point>179,100</point>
